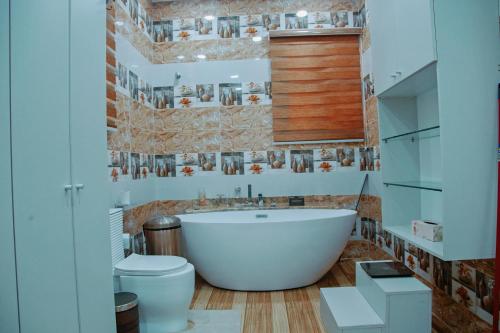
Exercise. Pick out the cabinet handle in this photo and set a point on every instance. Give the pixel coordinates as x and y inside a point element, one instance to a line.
<point>68,188</point>
<point>393,76</point>
<point>79,186</point>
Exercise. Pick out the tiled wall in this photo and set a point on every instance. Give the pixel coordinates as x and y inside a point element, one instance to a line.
<point>147,140</point>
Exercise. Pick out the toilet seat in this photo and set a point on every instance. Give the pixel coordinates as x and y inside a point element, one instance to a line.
<point>150,265</point>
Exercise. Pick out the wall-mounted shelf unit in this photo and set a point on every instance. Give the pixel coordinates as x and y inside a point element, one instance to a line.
<point>438,115</point>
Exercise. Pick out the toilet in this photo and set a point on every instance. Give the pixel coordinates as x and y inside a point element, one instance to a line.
<point>165,287</point>
<point>164,284</point>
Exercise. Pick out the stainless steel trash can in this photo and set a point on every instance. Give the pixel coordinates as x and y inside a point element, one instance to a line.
<point>163,235</point>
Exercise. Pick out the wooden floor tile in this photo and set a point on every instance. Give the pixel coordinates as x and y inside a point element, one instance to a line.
<point>313,293</point>
<point>280,317</point>
<point>300,312</point>
<point>258,313</point>
<point>202,297</point>
<point>240,303</point>
<point>220,299</point>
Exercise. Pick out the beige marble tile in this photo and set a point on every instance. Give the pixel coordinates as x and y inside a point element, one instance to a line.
<point>372,124</point>
<point>175,120</point>
<point>241,117</point>
<point>192,8</point>
<point>246,7</point>
<point>142,141</point>
<point>163,53</point>
<point>119,139</point>
<point>205,141</point>
<point>167,142</point>
<point>205,118</point>
<point>242,48</point>
<point>246,139</point>
<point>141,116</point>
<point>134,219</point>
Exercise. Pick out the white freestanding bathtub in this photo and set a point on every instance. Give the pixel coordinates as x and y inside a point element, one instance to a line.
<point>266,249</point>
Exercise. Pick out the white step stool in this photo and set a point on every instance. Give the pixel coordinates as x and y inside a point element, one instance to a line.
<point>400,305</point>
<point>345,310</point>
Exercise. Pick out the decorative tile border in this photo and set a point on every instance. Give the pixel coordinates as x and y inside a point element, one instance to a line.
<point>137,166</point>
<point>206,94</point>
<point>234,27</point>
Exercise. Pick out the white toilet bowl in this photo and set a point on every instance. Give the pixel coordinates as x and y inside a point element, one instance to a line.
<point>165,287</point>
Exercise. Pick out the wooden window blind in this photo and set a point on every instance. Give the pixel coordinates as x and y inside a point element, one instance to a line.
<point>316,88</point>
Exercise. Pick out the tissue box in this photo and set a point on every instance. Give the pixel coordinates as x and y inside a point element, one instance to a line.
<point>428,230</point>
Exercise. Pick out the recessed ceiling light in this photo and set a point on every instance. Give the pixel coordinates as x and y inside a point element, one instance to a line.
<point>209,17</point>
<point>302,13</point>
<point>238,89</point>
<point>234,76</point>
<point>201,56</point>
<point>257,38</point>
<point>180,57</point>
<point>119,23</point>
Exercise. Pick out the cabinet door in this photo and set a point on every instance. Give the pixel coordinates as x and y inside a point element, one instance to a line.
<point>383,33</point>
<point>416,46</point>
<point>40,166</point>
<point>89,167</point>
<point>8,285</point>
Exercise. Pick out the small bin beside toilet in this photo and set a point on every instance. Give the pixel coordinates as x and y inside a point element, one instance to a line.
<point>163,235</point>
<point>127,313</point>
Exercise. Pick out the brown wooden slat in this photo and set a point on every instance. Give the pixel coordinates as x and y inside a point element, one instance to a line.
<point>110,75</point>
<point>299,74</point>
<point>111,110</point>
<point>110,23</point>
<point>280,136</point>
<point>312,111</point>
<point>315,62</point>
<point>303,99</point>
<point>316,86</point>
<point>110,92</point>
<point>284,50</point>
<point>110,58</point>
<point>110,41</point>
<point>310,124</point>
<point>315,39</point>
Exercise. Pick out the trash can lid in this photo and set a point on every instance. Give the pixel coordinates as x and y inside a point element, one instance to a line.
<point>125,301</point>
<point>162,222</point>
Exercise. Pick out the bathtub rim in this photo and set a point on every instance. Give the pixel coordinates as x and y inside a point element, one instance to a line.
<point>199,215</point>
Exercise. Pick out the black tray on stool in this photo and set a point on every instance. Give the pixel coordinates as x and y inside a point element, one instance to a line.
<point>386,269</point>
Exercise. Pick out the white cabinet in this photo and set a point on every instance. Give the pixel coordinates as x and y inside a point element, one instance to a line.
<point>383,41</point>
<point>403,40</point>
<point>57,109</point>
<point>430,120</point>
<point>415,36</point>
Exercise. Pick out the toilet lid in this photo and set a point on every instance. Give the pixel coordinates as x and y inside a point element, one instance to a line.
<point>136,264</point>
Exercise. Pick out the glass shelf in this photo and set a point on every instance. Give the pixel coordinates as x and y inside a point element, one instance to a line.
<point>423,133</point>
<point>423,185</point>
